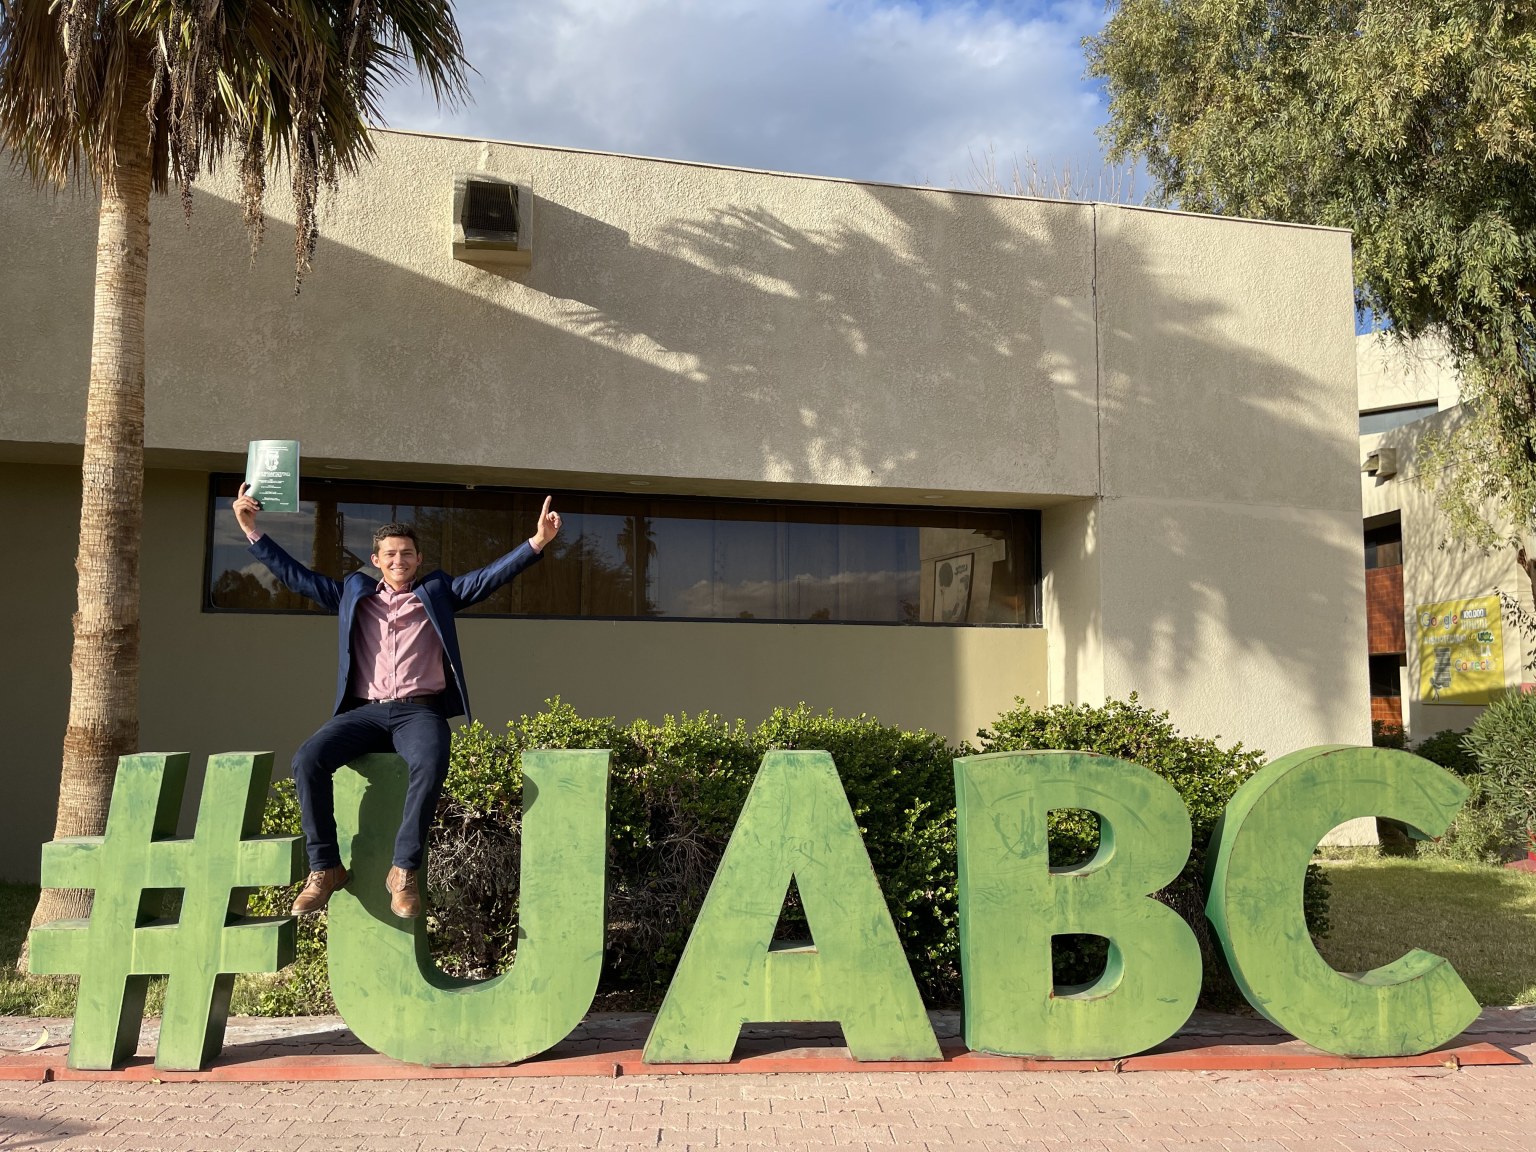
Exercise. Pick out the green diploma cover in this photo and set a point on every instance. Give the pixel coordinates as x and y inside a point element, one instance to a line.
<point>272,471</point>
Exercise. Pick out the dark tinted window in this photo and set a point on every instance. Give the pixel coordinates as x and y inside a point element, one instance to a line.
<point>1386,675</point>
<point>680,558</point>
<point>1384,546</point>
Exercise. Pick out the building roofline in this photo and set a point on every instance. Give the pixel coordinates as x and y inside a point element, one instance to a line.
<point>849,180</point>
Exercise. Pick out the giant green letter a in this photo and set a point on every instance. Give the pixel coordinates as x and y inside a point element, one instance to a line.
<point>796,824</point>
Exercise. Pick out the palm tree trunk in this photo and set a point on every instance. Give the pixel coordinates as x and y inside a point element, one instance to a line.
<point>104,691</point>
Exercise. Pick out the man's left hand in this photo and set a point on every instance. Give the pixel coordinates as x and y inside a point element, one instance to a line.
<point>549,526</point>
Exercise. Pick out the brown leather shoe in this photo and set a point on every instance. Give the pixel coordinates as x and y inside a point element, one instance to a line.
<point>318,888</point>
<point>404,899</point>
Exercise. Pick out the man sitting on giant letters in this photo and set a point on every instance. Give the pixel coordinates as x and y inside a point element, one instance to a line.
<point>399,680</point>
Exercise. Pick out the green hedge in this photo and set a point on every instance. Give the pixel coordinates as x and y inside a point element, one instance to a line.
<point>1448,748</point>
<point>1481,833</point>
<point>675,791</point>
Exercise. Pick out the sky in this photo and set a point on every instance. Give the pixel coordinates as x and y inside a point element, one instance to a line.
<point>906,91</point>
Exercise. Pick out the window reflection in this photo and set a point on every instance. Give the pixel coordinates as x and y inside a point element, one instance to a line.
<point>670,558</point>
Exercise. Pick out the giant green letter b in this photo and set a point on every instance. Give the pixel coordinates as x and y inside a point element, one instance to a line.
<point>1012,902</point>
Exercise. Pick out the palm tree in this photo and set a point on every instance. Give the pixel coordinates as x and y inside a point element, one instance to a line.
<point>130,96</point>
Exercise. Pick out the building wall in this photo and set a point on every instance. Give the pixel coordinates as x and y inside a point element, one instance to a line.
<point>1176,393</point>
<point>712,327</point>
<point>1437,567</point>
<point>1393,374</point>
<point>40,507</point>
<point>1228,537</point>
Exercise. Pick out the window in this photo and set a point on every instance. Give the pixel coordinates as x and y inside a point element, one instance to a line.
<point>1383,546</point>
<point>1385,418</point>
<point>675,558</point>
<point>1386,675</point>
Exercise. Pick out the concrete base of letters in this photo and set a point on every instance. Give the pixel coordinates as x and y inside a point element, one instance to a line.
<point>608,1045</point>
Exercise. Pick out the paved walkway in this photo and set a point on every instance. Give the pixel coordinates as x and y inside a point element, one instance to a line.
<point>1488,1109</point>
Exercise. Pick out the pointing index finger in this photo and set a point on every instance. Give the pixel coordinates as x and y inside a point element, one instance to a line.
<point>545,513</point>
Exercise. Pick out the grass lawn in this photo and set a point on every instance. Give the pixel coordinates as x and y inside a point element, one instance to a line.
<point>26,995</point>
<point>55,995</point>
<point>1482,919</point>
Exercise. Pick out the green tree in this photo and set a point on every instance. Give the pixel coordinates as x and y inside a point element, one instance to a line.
<point>1411,122</point>
<point>127,97</point>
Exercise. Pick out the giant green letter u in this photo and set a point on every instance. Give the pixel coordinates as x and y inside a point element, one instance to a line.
<point>386,987</point>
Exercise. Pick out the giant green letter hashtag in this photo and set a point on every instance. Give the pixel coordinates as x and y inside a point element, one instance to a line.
<point>123,943</point>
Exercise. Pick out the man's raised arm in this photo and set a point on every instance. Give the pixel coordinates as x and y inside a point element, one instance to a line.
<point>473,587</point>
<point>322,589</point>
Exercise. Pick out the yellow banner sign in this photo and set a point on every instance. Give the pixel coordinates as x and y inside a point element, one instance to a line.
<point>1461,651</point>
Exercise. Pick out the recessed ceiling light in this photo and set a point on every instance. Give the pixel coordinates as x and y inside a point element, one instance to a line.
<point>638,483</point>
<point>335,467</point>
<point>933,497</point>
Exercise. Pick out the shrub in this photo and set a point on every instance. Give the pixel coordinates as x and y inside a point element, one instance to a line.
<point>1384,735</point>
<point>1480,833</point>
<point>1203,773</point>
<point>1447,748</point>
<point>1503,741</point>
<point>901,786</point>
<point>675,792</point>
<point>304,987</point>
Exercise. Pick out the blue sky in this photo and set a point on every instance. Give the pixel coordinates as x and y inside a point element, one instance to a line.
<point>911,91</point>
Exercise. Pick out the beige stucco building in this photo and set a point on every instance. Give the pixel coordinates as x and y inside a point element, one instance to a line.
<point>1130,435</point>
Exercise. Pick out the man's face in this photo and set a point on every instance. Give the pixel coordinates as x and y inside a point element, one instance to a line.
<point>398,560</point>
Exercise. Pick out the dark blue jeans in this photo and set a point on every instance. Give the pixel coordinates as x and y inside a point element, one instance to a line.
<point>418,732</point>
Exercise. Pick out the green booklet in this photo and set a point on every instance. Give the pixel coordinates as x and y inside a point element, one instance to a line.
<point>272,471</point>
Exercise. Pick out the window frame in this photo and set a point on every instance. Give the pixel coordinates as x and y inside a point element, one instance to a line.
<point>1024,523</point>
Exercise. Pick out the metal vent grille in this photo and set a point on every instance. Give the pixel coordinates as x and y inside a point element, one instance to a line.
<point>490,212</point>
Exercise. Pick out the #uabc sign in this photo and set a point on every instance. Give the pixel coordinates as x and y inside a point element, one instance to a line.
<point>796,826</point>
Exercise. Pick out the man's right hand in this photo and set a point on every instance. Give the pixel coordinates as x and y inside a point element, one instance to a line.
<point>246,508</point>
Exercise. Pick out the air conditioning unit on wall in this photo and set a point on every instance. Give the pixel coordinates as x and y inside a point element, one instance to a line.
<point>492,220</point>
<point>1381,464</point>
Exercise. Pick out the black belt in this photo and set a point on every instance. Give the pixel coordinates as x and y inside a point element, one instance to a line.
<point>424,698</point>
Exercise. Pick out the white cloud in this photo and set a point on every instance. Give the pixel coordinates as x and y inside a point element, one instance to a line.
<point>263,576</point>
<point>854,88</point>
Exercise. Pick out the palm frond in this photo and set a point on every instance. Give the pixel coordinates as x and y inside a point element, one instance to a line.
<point>272,84</point>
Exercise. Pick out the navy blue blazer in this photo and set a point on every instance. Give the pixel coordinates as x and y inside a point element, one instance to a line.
<point>442,594</point>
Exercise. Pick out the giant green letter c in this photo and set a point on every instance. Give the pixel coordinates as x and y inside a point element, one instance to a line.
<point>1260,855</point>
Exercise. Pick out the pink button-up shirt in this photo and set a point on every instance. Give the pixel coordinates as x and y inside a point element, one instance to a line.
<point>395,650</point>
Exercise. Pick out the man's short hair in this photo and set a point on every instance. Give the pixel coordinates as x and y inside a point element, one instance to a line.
<point>385,531</point>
